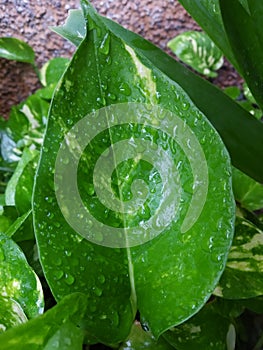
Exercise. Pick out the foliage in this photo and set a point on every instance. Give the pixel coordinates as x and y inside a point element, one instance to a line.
<point>180,290</point>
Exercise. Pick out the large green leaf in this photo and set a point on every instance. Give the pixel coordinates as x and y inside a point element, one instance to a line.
<point>15,49</point>
<point>241,133</point>
<point>244,31</point>
<point>198,51</point>
<point>169,278</point>
<point>56,326</point>
<point>242,277</point>
<point>18,281</point>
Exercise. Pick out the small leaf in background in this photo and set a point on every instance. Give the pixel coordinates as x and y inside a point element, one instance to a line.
<point>198,51</point>
<point>18,281</point>
<point>48,329</point>
<point>15,49</point>
<point>22,182</point>
<point>52,70</point>
<point>247,191</point>
<point>233,92</point>
<point>139,339</point>
<point>74,29</point>
<point>206,330</point>
<point>11,314</point>
<point>243,275</point>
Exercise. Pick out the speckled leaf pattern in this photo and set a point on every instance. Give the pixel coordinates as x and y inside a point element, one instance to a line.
<point>243,276</point>
<point>11,314</point>
<point>45,331</point>
<point>247,191</point>
<point>198,51</point>
<point>207,330</point>
<point>171,277</point>
<point>15,49</point>
<point>18,281</point>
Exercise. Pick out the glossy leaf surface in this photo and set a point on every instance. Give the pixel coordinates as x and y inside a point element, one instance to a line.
<point>206,330</point>
<point>15,49</point>
<point>141,340</point>
<point>245,141</point>
<point>46,330</point>
<point>11,314</point>
<point>74,29</point>
<point>198,51</point>
<point>169,278</point>
<point>18,280</point>
<point>242,277</point>
<point>244,31</point>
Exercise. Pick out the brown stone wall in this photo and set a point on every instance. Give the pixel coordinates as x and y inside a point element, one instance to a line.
<point>156,20</point>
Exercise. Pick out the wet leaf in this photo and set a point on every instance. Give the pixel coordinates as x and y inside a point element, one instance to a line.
<point>198,51</point>
<point>245,144</point>
<point>11,314</point>
<point>18,281</point>
<point>142,340</point>
<point>45,331</point>
<point>206,330</point>
<point>15,49</point>
<point>242,277</point>
<point>169,278</point>
<point>74,29</point>
<point>247,191</point>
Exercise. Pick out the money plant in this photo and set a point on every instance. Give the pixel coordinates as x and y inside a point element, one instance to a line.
<point>131,195</point>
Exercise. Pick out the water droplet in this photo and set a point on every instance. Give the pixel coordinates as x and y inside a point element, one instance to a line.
<point>105,44</point>
<point>111,96</point>
<point>58,274</point>
<point>69,279</point>
<point>125,89</point>
<point>98,291</point>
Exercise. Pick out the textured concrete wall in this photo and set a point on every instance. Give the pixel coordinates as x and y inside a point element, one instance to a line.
<point>157,20</point>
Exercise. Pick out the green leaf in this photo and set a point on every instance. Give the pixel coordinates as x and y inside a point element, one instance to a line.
<point>242,277</point>
<point>206,330</point>
<point>19,189</point>
<point>198,51</point>
<point>15,49</point>
<point>36,333</point>
<point>240,132</point>
<point>247,191</point>
<point>67,337</point>
<point>18,281</point>
<point>17,224</point>
<point>11,314</point>
<point>244,31</point>
<point>141,340</point>
<point>232,91</point>
<point>208,15</point>
<point>53,70</point>
<point>170,277</point>
<point>74,29</point>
